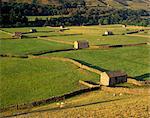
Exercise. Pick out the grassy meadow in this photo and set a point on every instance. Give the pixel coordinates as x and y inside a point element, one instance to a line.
<point>32,18</point>
<point>27,29</point>
<point>4,35</point>
<point>26,80</point>
<point>29,45</point>
<point>133,60</point>
<point>94,35</point>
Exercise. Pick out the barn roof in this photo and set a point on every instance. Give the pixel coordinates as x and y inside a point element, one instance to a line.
<point>116,73</point>
<point>109,31</point>
<point>81,41</point>
<point>18,33</point>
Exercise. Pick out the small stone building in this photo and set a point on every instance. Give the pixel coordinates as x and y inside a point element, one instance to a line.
<point>81,44</point>
<point>124,26</point>
<point>62,27</point>
<point>17,35</point>
<point>112,78</point>
<point>108,33</point>
<point>33,30</point>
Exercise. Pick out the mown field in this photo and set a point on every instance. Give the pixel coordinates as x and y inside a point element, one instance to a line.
<point>26,80</point>
<point>29,45</point>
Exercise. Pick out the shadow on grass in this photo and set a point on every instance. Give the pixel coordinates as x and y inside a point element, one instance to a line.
<point>44,31</point>
<point>90,65</point>
<point>65,35</point>
<point>37,32</point>
<point>49,51</point>
<point>142,77</point>
<point>91,82</point>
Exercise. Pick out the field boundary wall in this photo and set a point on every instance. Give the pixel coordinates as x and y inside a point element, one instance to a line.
<point>71,61</point>
<point>48,100</point>
<point>88,84</point>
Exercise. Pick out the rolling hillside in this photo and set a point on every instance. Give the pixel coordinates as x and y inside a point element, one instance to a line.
<point>133,4</point>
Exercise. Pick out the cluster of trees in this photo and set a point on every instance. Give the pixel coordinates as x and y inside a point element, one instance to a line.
<point>125,16</point>
<point>16,13</point>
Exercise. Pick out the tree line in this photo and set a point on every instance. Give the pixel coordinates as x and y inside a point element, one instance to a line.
<point>16,15</point>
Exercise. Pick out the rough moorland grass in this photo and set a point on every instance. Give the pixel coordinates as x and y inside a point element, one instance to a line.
<point>97,104</point>
<point>133,60</point>
<point>22,46</point>
<point>26,80</point>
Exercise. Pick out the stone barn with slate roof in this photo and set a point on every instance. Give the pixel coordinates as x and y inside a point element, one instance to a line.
<point>124,26</point>
<point>17,35</point>
<point>33,30</point>
<point>108,33</point>
<point>112,78</point>
<point>81,44</point>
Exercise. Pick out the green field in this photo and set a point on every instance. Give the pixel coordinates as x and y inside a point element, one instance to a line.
<point>94,35</point>
<point>26,80</point>
<point>4,35</point>
<point>27,29</point>
<point>133,60</point>
<point>91,33</point>
<point>32,18</point>
<point>29,45</point>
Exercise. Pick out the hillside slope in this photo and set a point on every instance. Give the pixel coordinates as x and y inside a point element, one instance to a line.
<point>133,4</point>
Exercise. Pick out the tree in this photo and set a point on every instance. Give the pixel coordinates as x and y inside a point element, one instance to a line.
<point>106,21</point>
<point>46,22</point>
<point>34,1</point>
<point>12,17</point>
<point>100,21</point>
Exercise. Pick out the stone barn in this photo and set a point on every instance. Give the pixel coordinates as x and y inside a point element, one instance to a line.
<point>17,35</point>
<point>33,30</point>
<point>62,27</point>
<point>124,26</point>
<point>81,44</point>
<point>113,77</point>
<point>108,33</point>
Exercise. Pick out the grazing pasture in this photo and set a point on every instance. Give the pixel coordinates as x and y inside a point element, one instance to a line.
<point>29,45</point>
<point>27,29</point>
<point>41,31</point>
<point>26,80</point>
<point>133,60</point>
<point>94,35</point>
<point>32,18</point>
<point>4,35</point>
